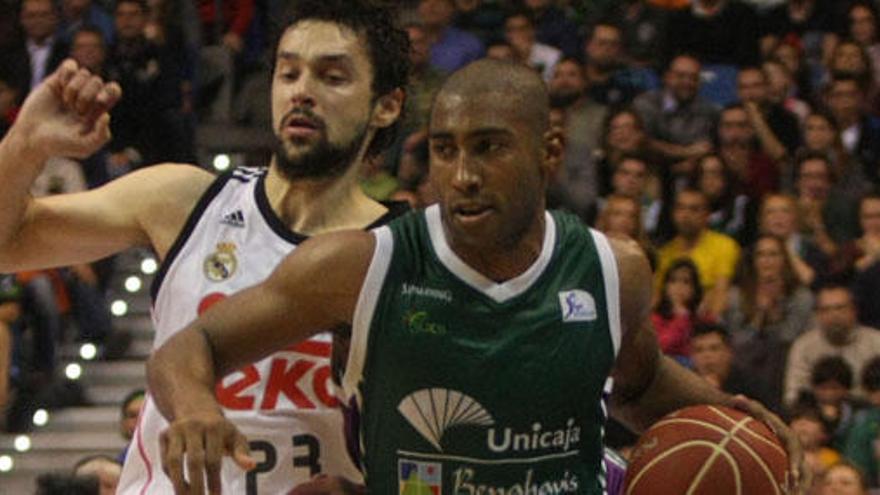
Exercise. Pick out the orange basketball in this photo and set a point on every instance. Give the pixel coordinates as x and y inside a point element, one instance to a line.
<point>707,450</point>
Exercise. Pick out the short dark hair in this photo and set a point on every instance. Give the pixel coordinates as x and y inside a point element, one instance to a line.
<point>832,368</point>
<point>810,155</point>
<point>387,46</point>
<point>703,327</point>
<point>89,29</point>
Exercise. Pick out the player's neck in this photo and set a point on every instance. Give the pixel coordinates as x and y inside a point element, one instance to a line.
<point>315,206</point>
<point>503,262</point>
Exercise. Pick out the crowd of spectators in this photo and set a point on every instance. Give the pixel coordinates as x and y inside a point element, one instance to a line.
<point>737,141</point>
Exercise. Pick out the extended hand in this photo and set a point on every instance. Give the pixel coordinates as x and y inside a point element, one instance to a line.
<point>66,115</point>
<point>201,441</point>
<point>798,479</point>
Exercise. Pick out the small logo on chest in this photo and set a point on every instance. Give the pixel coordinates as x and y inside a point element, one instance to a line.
<point>221,264</point>
<point>577,305</point>
<point>233,219</point>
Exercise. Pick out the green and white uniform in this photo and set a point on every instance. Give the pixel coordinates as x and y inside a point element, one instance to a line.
<point>456,384</point>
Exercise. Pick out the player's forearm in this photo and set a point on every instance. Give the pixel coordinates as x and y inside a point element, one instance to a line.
<point>181,375</point>
<point>673,387</point>
<point>20,164</point>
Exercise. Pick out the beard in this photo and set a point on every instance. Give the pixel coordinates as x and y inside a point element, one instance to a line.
<point>324,160</point>
<point>564,98</point>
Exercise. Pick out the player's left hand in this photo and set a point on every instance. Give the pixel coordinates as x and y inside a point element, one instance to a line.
<point>798,480</point>
<point>323,484</point>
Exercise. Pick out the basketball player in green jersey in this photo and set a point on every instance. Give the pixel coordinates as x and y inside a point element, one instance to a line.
<point>483,328</point>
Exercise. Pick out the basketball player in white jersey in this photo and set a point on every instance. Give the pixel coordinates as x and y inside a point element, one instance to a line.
<point>337,93</point>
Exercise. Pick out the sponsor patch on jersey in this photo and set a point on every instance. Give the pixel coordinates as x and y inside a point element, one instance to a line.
<point>419,478</point>
<point>577,305</point>
<point>432,411</point>
<point>221,264</point>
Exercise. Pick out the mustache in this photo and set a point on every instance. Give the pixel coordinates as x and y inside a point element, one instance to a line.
<point>305,113</point>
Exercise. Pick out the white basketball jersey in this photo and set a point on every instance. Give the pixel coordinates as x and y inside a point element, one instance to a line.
<point>284,404</point>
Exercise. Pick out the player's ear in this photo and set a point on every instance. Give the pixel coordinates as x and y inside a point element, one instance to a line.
<point>554,150</point>
<point>388,108</point>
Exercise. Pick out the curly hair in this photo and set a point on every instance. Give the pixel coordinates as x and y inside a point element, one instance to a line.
<point>388,46</point>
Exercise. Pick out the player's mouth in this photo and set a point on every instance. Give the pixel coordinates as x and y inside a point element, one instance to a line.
<point>468,213</point>
<point>301,126</point>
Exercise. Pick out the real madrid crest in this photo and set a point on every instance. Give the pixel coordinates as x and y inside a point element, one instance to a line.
<point>221,264</point>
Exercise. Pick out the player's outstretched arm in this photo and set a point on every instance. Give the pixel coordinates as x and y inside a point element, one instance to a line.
<point>314,289</point>
<point>649,385</point>
<point>67,115</point>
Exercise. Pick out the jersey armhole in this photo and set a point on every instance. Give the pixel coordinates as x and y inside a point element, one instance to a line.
<point>611,280</point>
<point>367,301</point>
<point>192,220</point>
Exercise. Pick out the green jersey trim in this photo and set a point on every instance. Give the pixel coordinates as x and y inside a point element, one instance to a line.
<point>368,298</point>
<point>612,286</point>
<point>504,291</point>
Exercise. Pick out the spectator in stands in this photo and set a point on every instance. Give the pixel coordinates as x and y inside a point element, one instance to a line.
<point>732,211</point>
<point>39,51</point>
<point>776,129</point>
<point>837,334</point>
<point>714,254</point>
<point>77,14</point>
<point>806,421</point>
<point>644,31</point>
<point>224,25</point>
<point>621,217</point>
<point>778,216</point>
<point>678,121</point>
<point>821,135</point>
<point>812,22</point>
<point>738,147</point>
<point>128,418</point>
<point>519,31</point>
<point>865,432</point>
<point>88,49</point>
<point>451,48</point>
<point>577,187</point>
<point>105,469</point>
<point>716,31</point>
<point>150,79</point>
<point>842,478</point>
<point>608,82</point>
<point>859,131</point>
<point>713,359</point>
<point>675,313</point>
<point>781,88</point>
<point>424,80</point>
<point>863,30</point>
<point>768,301</point>
<point>863,255</point>
<point>553,27</point>
<point>831,384</point>
<point>851,59</point>
<point>767,309</point>
<point>623,133</point>
<point>632,178</point>
<point>790,52</point>
<point>828,215</point>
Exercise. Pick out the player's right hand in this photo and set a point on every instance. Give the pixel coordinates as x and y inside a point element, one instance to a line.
<point>193,448</point>
<point>67,114</point>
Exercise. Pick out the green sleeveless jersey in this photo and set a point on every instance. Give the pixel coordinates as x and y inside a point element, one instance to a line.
<point>459,385</point>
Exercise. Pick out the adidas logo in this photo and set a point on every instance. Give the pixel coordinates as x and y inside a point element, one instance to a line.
<point>235,219</point>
